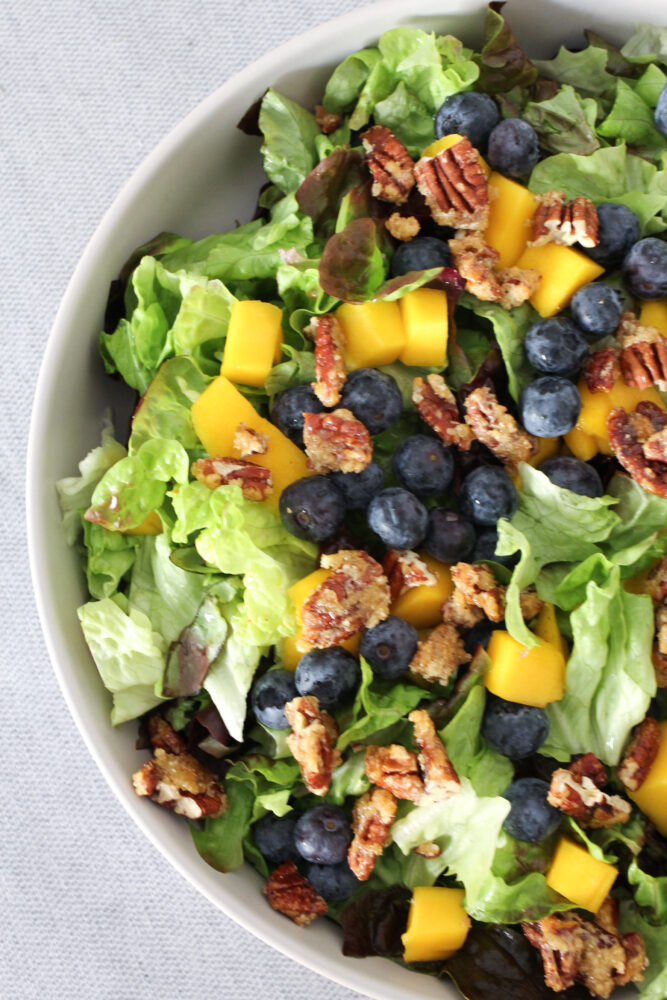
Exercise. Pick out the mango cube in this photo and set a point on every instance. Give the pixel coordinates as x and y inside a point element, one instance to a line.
<point>425,315</point>
<point>547,448</point>
<point>294,646</point>
<point>651,796</point>
<point>527,675</point>
<point>252,345</point>
<point>437,924</point>
<point>421,606</point>
<point>511,207</point>
<point>151,525</point>
<point>564,271</point>
<point>580,877</point>
<point>446,142</point>
<point>546,628</point>
<point>374,333</point>
<point>654,314</point>
<point>215,416</point>
<point>590,431</point>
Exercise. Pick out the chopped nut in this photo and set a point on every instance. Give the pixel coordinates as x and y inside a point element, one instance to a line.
<point>439,655</point>
<point>436,405</point>
<point>327,120</point>
<point>557,220</point>
<point>395,769</point>
<point>406,570</point>
<point>655,447</point>
<point>494,426</point>
<point>312,742</point>
<point>517,285</point>
<point>656,583</point>
<point>628,435</point>
<point>455,187</point>
<point>255,481</point>
<point>577,794</point>
<point>602,369</point>
<point>429,849</point>
<point>372,817</point>
<point>390,164</point>
<point>589,766</point>
<point>355,596</point>
<point>643,353</point>
<point>660,666</point>
<point>248,441</point>
<point>475,261</point>
<point>640,754</point>
<point>440,779</point>
<point>329,337</point>
<point>479,587</point>
<point>336,442</point>
<point>661,628</point>
<point>292,894</point>
<point>402,227</point>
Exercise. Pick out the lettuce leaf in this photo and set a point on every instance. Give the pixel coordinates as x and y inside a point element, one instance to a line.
<point>164,411</point>
<point>564,123</point>
<point>650,891</point>
<point>289,140</point>
<point>585,71</point>
<point>109,556</point>
<point>654,984</point>
<point>648,44</point>
<point>502,61</point>
<point>631,120</point>
<point>377,705</point>
<point>509,328</point>
<point>489,772</point>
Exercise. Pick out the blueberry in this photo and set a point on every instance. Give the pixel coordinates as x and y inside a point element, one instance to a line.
<point>480,634</point>
<point>269,696</point>
<point>488,494</point>
<point>323,835</point>
<point>513,147</point>
<point>574,475</point>
<point>550,406</point>
<point>398,517</point>
<point>274,837</point>
<point>469,114</point>
<point>485,548</point>
<point>531,818</point>
<point>618,230</point>
<point>333,882</point>
<point>289,407</point>
<point>596,309</point>
<point>389,647</point>
<point>645,269</point>
<point>373,397</point>
<point>419,254</point>
<point>312,508</point>
<point>331,675</point>
<point>512,729</point>
<point>660,115</point>
<point>555,346</point>
<point>450,537</point>
<point>359,488</point>
<point>423,465</point>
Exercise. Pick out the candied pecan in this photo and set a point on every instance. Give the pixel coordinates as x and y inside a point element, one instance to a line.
<point>429,849</point>
<point>248,441</point>
<point>336,442</point>
<point>396,770</point>
<point>327,120</point>
<point>405,570</point>
<point>402,227</point>
<point>580,796</point>
<point>661,628</point>
<point>589,766</point>
<point>602,369</point>
<point>372,817</point>
<point>436,405</point>
<point>479,587</point>
<point>557,220</point>
<point>454,186</point>
<point>517,284</point>
<point>329,337</point>
<point>530,602</point>
<point>176,780</point>
<point>643,353</point>
<point>390,164</point>
<point>475,261</point>
<point>457,610</point>
<point>440,779</point>
<point>640,754</point>
<point>292,894</point>
<point>439,655</point>
<point>656,583</point>
<point>655,447</point>
<point>312,742</point>
<point>628,433</point>
<point>660,666</point>
<point>354,596</point>
<point>494,426</point>
<point>255,481</point>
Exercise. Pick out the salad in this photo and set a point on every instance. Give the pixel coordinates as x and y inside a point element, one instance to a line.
<point>381,567</point>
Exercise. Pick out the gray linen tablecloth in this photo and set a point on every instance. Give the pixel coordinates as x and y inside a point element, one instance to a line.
<point>89,909</point>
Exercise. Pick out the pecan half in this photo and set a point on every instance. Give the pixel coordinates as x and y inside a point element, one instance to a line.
<point>643,353</point>
<point>402,227</point>
<point>328,121</point>
<point>406,570</point>
<point>439,655</point>
<point>355,596</point>
<point>440,779</point>
<point>255,481</point>
<point>454,186</point>
<point>640,754</point>
<point>390,164</point>
<point>336,442</point>
<point>576,792</point>
<point>557,220</point>
<point>372,817</point>
<point>476,261</point>
<point>629,433</point>
<point>396,770</point>
<point>329,337</point>
<point>603,369</point>
<point>292,894</point>
<point>494,426</point>
<point>312,742</point>
<point>248,441</point>
<point>436,405</point>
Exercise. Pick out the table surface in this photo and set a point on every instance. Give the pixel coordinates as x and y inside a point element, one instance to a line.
<point>89,908</point>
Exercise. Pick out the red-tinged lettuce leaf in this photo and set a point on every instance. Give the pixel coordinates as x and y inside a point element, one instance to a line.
<point>193,652</point>
<point>617,64</point>
<point>502,62</point>
<point>373,923</point>
<point>320,194</point>
<point>352,265</point>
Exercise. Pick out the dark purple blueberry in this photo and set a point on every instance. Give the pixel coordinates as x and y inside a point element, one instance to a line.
<point>419,254</point>
<point>618,230</point>
<point>555,346</point>
<point>373,397</point>
<point>289,407</point>
<point>323,835</point>
<point>471,114</point>
<point>596,309</point>
<point>485,548</point>
<point>398,517</point>
<point>359,488</point>
<point>480,634</point>
<point>450,537</point>
<point>389,647</point>
<point>550,406</point>
<point>330,675</point>
<point>312,508</point>
<point>645,269</point>
<point>333,882</point>
<point>274,837</point>
<point>574,475</point>
<point>269,696</point>
<point>423,465</point>
<point>531,818</point>
<point>660,115</point>
<point>487,494</point>
<point>512,729</point>
<point>513,147</point>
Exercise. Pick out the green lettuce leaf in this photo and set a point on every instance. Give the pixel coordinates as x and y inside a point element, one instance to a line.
<point>164,411</point>
<point>585,71</point>
<point>654,984</point>
<point>220,840</point>
<point>489,772</point>
<point>349,779</point>
<point>109,556</point>
<point>650,891</point>
<point>299,369</point>
<point>509,329</point>
<point>631,120</point>
<point>650,84</point>
<point>201,325</point>
<point>648,44</point>
<point>564,123</point>
<point>289,140</point>
<point>377,705</point>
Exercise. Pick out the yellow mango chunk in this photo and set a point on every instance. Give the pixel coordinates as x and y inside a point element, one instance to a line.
<point>252,345</point>
<point>425,316</point>
<point>529,676</point>
<point>437,924</point>
<point>374,333</point>
<point>582,445</point>
<point>651,796</point>
<point>446,142</point>
<point>421,606</point>
<point>595,408</point>
<point>215,416</point>
<point>564,271</point>
<point>654,314</point>
<point>548,447</point>
<point>511,207</point>
<point>294,646</point>
<point>151,525</point>
<point>546,628</point>
<point>580,877</point>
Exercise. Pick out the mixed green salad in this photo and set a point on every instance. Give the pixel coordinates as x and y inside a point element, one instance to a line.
<point>196,582</point>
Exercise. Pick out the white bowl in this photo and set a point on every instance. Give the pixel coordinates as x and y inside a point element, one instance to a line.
<point>201,179</point>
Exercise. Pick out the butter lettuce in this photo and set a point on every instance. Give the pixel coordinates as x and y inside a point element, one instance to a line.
<point>648,44</point>
<point>489,772</point>
<point>289,140</point>
<point>585,71</point>
<point>164,411</point>
<point>377,706</point>
<point>650,891</point>
<point>109,557</point>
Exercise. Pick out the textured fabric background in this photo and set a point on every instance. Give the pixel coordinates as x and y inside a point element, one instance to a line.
<point>88,908</point>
